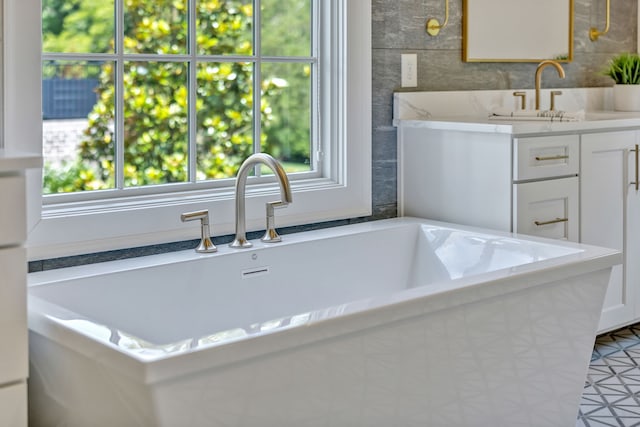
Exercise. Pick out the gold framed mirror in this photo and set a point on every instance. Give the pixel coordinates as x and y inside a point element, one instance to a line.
<point>517,30</point>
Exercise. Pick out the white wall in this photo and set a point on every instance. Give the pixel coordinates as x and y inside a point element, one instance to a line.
<point>21,105</point>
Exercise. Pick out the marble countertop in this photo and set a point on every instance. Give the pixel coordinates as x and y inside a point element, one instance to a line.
<point>469,111</point>
<point>12,160</point>
<point>594,121</point>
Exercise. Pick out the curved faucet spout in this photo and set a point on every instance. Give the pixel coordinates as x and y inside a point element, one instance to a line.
<point>541,66</point>
<point>241,182</point>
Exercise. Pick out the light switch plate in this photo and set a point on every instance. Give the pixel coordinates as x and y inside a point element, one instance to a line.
<point>409,69</point>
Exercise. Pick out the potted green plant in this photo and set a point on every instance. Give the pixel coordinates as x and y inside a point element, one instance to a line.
<point>624,69</point>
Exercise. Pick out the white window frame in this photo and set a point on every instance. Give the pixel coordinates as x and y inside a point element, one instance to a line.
<point>345,192</point>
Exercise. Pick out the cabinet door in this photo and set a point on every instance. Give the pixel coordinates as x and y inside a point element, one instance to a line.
<point>13,405</point>
<point>13,315</point>
<point>547,208</point>
<point>609,214</point>
<point>13,226</point>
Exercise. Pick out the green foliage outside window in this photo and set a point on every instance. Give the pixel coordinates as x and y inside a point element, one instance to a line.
<point>155,96</point>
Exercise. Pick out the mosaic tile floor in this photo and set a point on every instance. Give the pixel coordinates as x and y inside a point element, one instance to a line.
<point>612,391</point>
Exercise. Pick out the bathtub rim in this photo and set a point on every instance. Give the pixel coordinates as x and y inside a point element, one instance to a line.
<point>38,278</point>
<point>377,312</point>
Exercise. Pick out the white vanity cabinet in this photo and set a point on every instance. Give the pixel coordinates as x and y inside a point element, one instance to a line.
<point>610,216</point>
<point>13,276</point>
<point>495,180</point>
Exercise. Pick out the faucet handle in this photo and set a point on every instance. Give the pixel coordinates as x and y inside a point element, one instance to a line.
<point>271,235</point>
<point>206,245</point>
<point>523,100</point>
<point>554,93</point>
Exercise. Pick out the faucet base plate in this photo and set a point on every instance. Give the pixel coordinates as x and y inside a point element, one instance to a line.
<point>240,244</point>
<point>271,236</point>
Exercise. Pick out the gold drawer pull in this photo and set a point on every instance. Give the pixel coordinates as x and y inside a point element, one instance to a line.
<point>560,157</point>
<point>553,221</point>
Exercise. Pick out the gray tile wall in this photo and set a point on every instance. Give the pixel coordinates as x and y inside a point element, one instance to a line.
<point>398,27</point>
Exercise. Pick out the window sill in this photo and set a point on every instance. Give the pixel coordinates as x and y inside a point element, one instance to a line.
<point>74,229</point>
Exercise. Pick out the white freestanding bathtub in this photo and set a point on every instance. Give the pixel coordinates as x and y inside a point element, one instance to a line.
<point>402,322</point>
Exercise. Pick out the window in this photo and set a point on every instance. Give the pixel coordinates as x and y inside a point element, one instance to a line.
<point>305,99</point>
<point>139,94</point>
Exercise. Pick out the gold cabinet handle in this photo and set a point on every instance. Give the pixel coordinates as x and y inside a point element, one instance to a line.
<point>637,156</point>
<point>553,221</point>
<point>559,157</point>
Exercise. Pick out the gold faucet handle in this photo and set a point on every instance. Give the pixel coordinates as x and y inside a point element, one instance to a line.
<point>554,93</point>
<point>523,99</point>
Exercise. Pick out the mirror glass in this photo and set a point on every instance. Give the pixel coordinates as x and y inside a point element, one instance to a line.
<point>517,30</point>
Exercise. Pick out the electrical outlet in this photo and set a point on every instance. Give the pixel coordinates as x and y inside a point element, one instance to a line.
<point>409,69</point>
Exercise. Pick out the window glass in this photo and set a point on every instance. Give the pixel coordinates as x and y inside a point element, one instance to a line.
<point>155,123</point>
<point>224,27</point>
<point>225,118</point>
<point>158,113</point>
<point>285,27</point>
<point>78,125</point>
<point>158,26</point>
<point>81,26</point>
<point>286,106</point>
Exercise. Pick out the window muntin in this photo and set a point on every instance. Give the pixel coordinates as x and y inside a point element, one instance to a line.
<point>186,97</point>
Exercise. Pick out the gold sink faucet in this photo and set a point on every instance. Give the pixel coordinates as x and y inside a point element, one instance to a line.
<point>541,67</point>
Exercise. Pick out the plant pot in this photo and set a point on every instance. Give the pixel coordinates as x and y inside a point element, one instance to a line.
<point>626,97</point>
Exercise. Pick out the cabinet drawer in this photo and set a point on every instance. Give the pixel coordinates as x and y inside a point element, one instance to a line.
<point>545,157</point>
<point>547,208</point>
<point>13,405</point>
<point>13,315</point>
<point>13,226</point>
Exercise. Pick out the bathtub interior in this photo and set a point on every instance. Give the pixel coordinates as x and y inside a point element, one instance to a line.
<point>448,254</point>
<point>237,293</point>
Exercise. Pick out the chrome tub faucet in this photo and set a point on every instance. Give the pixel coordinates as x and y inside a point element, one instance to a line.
<point>206,245</point>
<point>270,235</point>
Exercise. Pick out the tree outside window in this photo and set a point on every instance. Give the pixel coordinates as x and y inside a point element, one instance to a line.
<point>182,116</point>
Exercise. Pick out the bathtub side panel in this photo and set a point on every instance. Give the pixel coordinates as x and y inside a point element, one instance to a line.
<point>69,389</point>
<point>516,360</point>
